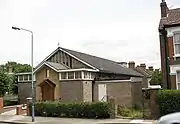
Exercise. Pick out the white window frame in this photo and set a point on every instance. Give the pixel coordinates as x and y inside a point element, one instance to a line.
<point>82,75</point>
<point>177,82</point>
<point>176,33</point>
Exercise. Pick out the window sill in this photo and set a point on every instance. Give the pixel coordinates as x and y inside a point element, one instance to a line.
<point>177,55</point>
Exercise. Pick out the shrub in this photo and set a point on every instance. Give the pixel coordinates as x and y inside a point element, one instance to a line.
<point>73,110</point>
<point>168,101</point>
<point>130,112</point>
<point>10,103</point>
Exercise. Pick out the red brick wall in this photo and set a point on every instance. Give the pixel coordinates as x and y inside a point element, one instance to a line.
<point>173,81</point>
<point>163,66</point>
<point>171,49</point>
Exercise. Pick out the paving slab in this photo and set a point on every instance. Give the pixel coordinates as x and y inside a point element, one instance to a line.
<point>20,119</point>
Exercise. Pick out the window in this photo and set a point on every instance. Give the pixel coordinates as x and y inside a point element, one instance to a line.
<point>21,77</point>
<point>178,79</point>
<point>64,75</point>
<point>77,74</point>
<point>25,77</point>
<point>87,75</point>
<point>47,73</point>
<point>70,75</point>
<point>177,43</point>
<point>30,77</point>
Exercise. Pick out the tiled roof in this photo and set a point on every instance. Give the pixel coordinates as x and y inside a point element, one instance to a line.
<point>57,66</point>
<point>104,65</point>
<point>145,72</point>
<point>173,18</point>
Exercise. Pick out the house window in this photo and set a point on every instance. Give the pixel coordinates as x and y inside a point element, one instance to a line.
<point>87,75</point>
<point>77,74</point>
<point>47,73</point>
<point>21,77</point>
<point>70,75</point>
<point>177,43</point>
<point>178,80</point>
<point>25,77</point>
<point>30,77</point>
<point>64,75</point>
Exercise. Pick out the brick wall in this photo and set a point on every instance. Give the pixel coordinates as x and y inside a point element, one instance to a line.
<point>24,91</point>
<point>171,49</point>
<point>173,81</point>
<point>71,91</point>
<point>137,94</point>
<point>87,91</point>
<point>121,92</point>
<point>163,61</point>
<point>41,76</point>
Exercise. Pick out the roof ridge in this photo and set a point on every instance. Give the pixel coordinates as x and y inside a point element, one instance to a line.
<point>91,55</point>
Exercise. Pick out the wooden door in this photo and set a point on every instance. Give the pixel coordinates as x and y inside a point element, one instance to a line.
<point>47,92</point>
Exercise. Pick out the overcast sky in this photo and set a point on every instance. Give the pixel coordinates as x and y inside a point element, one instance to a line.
<point>121,30</point>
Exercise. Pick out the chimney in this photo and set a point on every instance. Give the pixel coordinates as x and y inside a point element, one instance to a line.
<point>131,64</point>
<point>151,68</point>
<point>9,68</point>
<point>143,66</point>
<point>124,64</point>
<point>164,9</point>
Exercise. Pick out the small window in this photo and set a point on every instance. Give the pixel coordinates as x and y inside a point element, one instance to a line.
<point>87,75</point>
<point>64,75</point>
<point>30,77</point>
<point>70,75</point>
<point>21,77</point>
<point>25,77</point>
<point>47,73</point>
<point>78,75</point>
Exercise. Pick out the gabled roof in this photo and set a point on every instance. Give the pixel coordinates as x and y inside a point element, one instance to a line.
<point>97,63</point>
<point>103,65</point>
<point>52,65</point>
<point>57,66</point>
<point>147,73</point>
<point>173,18</point>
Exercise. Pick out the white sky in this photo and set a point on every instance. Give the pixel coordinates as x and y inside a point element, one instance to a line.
<point>121,30</point>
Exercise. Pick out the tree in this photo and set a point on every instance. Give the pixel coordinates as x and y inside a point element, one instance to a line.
<point>4,83</point>
<point>12,86</point>
<point>156,78</point>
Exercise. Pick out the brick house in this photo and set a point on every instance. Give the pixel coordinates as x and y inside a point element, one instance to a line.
<point>169,34</point>
<point>73,76</point>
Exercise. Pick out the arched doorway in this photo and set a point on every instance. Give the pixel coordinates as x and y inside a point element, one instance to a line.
<point>47,90</point>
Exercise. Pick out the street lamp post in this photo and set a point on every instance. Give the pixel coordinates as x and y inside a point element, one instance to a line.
<point>32,82</point>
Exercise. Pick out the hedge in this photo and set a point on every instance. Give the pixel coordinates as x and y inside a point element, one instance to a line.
<point>73,110</point>
<point>168,101</point>
<point>10,103</point>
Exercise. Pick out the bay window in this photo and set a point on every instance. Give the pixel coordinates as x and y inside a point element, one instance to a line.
<point>178,79</point>
<point>177,43</point>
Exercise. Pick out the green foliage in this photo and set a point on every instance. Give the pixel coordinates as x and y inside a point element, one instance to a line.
<point>168,101</point>
<point>156,78</point>
<point>4,83</point>
<point>10,103</point>
<point>73,110</point>
<point>12,79</point>
<point>129,112</point>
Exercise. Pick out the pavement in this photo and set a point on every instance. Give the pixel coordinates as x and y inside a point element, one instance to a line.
<point>10,117</point>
